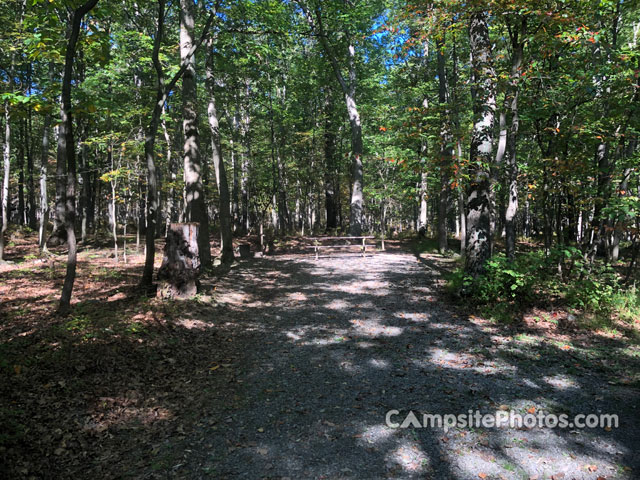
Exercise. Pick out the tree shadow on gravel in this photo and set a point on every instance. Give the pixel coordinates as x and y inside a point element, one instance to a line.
<point>287,367</point>
<point>337,343</point>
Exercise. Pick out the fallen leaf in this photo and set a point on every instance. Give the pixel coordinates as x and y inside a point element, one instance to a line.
<point>592,468</point>
<point>557,476</point>
<point>532,410</point>
<point>482,475</point>
<point>261,429</point>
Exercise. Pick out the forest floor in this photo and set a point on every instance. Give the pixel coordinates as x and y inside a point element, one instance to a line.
<point>286,367</point>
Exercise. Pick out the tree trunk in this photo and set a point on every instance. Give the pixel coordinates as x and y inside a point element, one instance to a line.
<point>180,268</point>
<point>44,160</point>
<point>196,209</point>
<point>517,42</point>
<point>31,189</point>
<point>170,200</point>
<point>6,172</point>
<point>20,160</point>
<point>478,248</point>
<point>357,199</point>
<point>162,92</point>
<point>330,166</point>
<point>446,148</point>
<point>146,281</point>
<point>226,235</point>
<point>349,91</point>
<point>66,152</point>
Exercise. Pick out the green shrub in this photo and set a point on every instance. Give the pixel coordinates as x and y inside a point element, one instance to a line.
<point>502,280</point>
<point>562,274</point>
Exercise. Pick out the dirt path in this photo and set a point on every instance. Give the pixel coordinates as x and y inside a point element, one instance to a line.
<point>313,354</point>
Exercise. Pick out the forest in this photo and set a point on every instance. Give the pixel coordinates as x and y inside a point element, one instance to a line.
<point>481,157</point>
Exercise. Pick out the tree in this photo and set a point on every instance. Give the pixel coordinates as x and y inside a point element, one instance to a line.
<point>226,235</point>
<point>66,153</point>
<point>349,90</point>
<point>484,104</point>
<point>195,208</point>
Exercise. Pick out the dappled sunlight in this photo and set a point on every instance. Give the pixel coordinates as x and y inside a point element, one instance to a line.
<point>337,304</point>
<point>561,382</point>
<point>376,434</point>
<point>379,363</point>
<point>191,324</point>
<point>409,456</point>
<point>373,328</point>
<point>419,317</point>
<point>285,363</point>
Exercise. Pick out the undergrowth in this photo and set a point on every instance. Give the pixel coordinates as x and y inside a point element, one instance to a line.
<point>561,278</point>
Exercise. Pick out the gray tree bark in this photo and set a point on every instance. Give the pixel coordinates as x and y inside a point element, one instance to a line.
<point>517,42</point>
<point>66,153</point>
<point>44,159</point>
<point>162,92</point>
<point>226,235</point>
<point>195,207</point>
<point>446,148</point>
<point>6,153</point>
<point>349,91</point>
<point>478,248</point>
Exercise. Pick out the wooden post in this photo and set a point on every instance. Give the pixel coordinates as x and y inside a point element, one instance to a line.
<point>364,245</point>
<point>178,275</point>
<point>262,247</point>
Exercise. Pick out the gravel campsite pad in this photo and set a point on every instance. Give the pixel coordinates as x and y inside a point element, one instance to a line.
<point>287,366</point>
<point>325,348</point>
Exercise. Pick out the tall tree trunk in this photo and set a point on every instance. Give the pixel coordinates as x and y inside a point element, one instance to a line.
<point>149,152</point>
<point>511,177</point>
<point>226,235</point>
<point>349,91</point>
<point>85,191</point>
<point>172,165</point>
<point>357,199</point>
<point>446,148</point>
<point>484,104</point>
<point>330,166</point>
<point>162,92</point>
<point>196,209</point>
<point>44,160</point>
<point>6,171</point>
<point>244,167</point>
<point>66,152</point>
<point>20,160</point>
<point>31,192</point>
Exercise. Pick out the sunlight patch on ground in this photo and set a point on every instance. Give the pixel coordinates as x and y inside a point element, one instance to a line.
<point>336,336</point>
<point>515,450</point>
<point>378,363</point>
<point>377,434</point>
<point>561,382</point>
<point>409,456</point>
<point>373,328</point>
<point>296,297</point>
<point>414,317</point>
<point>192,324</point>
<point>337,304</point>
